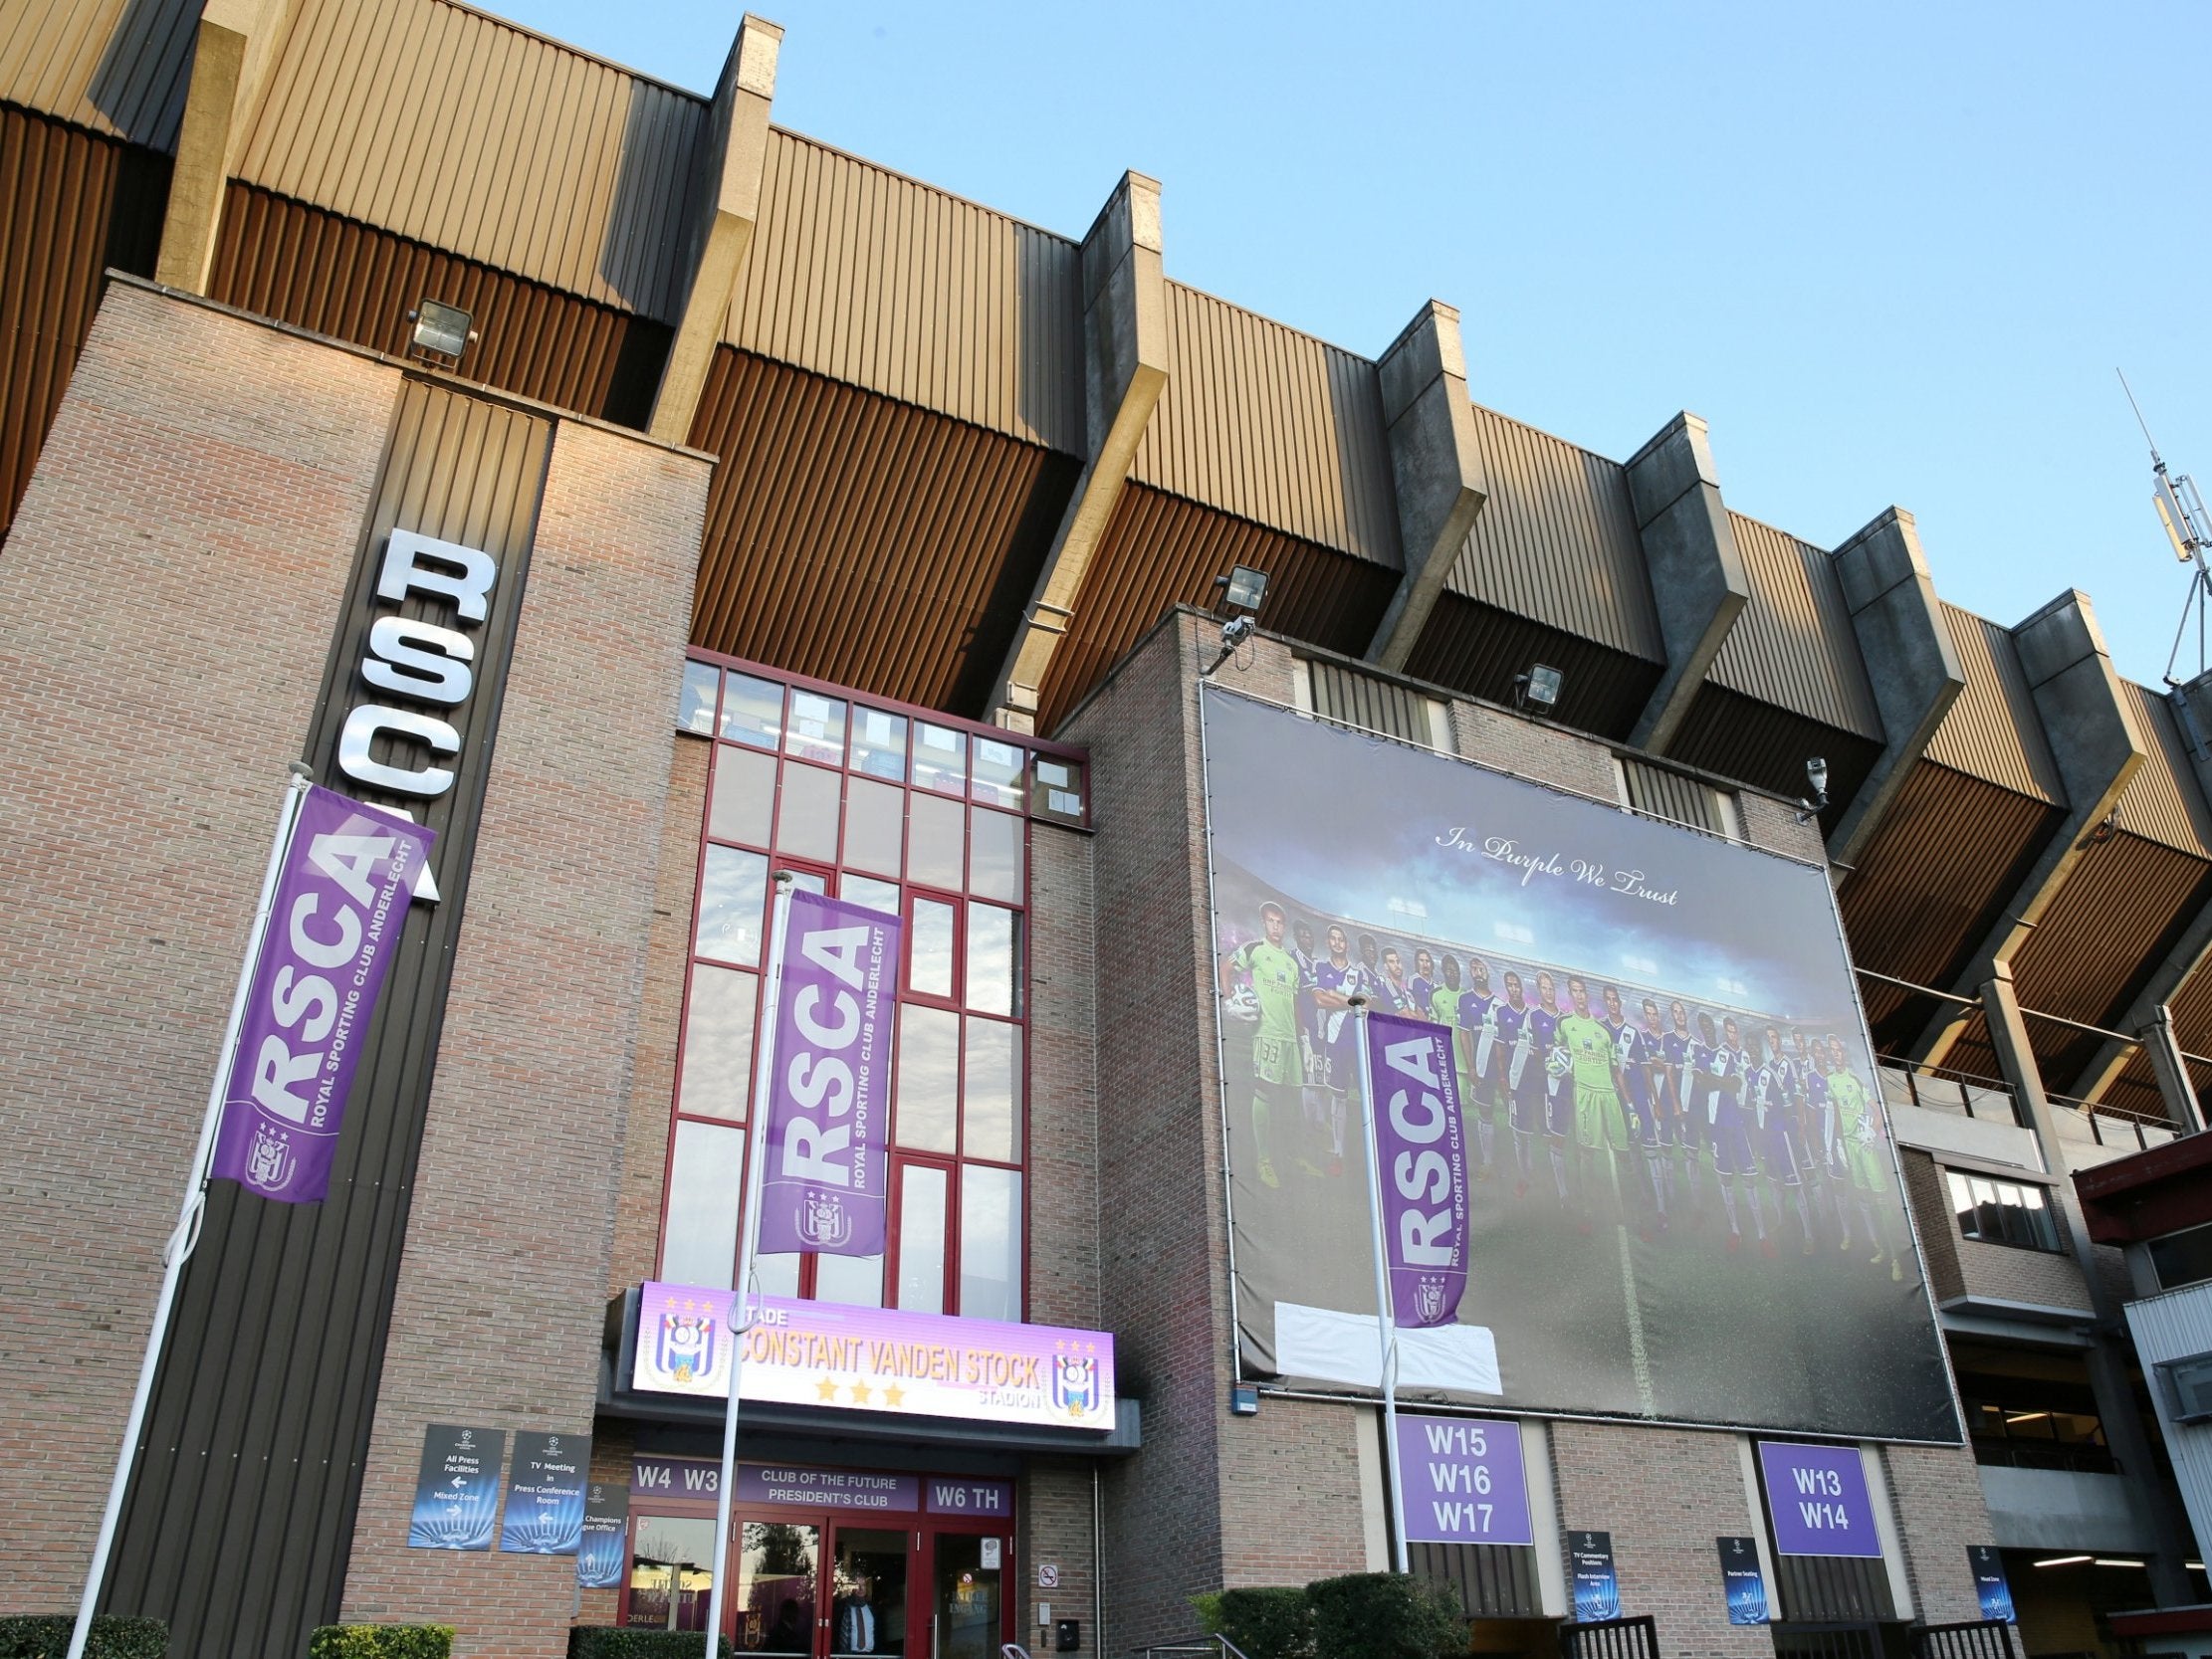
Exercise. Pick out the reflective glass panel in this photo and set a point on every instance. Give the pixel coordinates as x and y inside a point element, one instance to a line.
<point>939,757</point>
<point>807,813</point>
<point>672,1573</point>
<point>869,894</point>
<point>989,1242</point>
<point>776,1563</point>
<point>875,826</point>
<point>699,1239</point>
<point>732,889</point>
<point>1059,789</point>
<point>717,1043</point>
<point>991,1093</point>
<point>879,744</point>
<point>695,709</point>
<point>867,1590</point>
<point>969,1619</point>
<point>995,848</point>
<point>935,842</point>
<point>779,1274</point>
<point>924,1117</point>
<point>994,958</point>
<point>930,959</point>
<point>856,1281</point>
<point>751,710</point>
<point>922,1238</point>
<point>816,730</point>
<point>744,796</point>
<point>996,773</point>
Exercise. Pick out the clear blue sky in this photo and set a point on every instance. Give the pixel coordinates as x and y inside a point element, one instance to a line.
<point>1890,252</point>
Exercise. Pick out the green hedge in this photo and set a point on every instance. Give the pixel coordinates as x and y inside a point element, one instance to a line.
<point>1270,1624</point>
<point>46,1637</point>
<point>382,1641</point>
<point>1381,1615</point>
<point>596,1641</point>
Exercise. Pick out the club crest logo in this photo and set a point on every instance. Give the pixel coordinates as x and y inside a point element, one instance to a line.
<point>822,1221</point>
<point>270,1161</point>
<point>1429,1299</point>
<point>684,1347</point>
<point>1075,1383</point>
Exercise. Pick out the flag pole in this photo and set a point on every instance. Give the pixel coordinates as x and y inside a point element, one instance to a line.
<point>748,1238</point>
<point>185,1235</point>
<point>1386,1326</point>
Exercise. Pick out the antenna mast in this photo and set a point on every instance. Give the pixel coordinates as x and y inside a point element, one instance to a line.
<point>2188,527</point>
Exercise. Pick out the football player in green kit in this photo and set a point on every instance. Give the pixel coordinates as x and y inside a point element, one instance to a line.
<point>1856,1133</point>
<point>1600,1129</point>
<point>1278,1074</point>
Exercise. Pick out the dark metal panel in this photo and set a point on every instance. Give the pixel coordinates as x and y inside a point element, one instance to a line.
<point>1160,551</point>
<point>116,66</point>
<point>1491,1580</point>
<point>863,541</point>
<point>1839,1587</point>
<point>72,203</point>
<point>1669,794</point>
<point>1993,730</point>
<point>1794,644</point>
<point>240,1516</point>
<point>1373,704</point>
<point>308,267</point>
<point>1477,648</point>
<point>1760,743</point>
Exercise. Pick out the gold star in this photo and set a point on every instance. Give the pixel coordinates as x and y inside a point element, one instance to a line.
<point>825,1389</point>
<point>860,1393</point>
<point>893,1394</point>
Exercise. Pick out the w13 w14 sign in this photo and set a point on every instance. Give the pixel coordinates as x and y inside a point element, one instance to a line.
<point>1818,1501</point>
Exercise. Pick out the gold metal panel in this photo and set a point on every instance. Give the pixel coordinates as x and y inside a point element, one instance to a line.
<point>1993,730</point>
<point>117,66</point>
<point>2162,802</point>
<point>1793,644</point>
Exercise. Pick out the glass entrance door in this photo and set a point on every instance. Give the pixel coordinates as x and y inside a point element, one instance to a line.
<point>672,1573</point>
<point>779,1566</point>
<point>867,1592</point>
<point>968,1613</point>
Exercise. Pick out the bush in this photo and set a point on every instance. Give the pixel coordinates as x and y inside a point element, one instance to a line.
<point>1382,1615</point>
<point>598,1641</point>
<point>382,1641</point>
<point>46,1637</point>
<point>1271,1623</point>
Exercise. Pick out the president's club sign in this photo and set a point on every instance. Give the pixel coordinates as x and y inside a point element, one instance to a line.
<point>824,1353</point>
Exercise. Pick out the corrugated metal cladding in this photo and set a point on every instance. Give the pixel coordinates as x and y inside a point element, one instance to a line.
<point>1160,550</point>
<point>1793,644</point>
<point>1913,909</point>
<point>880,281</point>
<point>1663,793</point>
<point>863,541</point>
<point>1491,1580</point>
<point>240,1515</point>
<point>70,205</point>
<point>1992,731</point>
<point>117,66</point>
<point>458,129</point>
<point>1273,426</point>
<point>2162,802</point>
<point>1832,1589</point>
<point>2177,1325</point>
<point>1556,542</point>
<point>1745,737</point>
<point>1350,698</point>
<point>1479,649</point>
<point>306,265</point>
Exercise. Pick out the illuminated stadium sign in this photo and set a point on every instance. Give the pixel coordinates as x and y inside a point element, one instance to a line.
<point>1685,1205</point>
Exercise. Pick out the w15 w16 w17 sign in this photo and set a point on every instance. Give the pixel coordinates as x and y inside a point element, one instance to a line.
<point>1818,1501</point>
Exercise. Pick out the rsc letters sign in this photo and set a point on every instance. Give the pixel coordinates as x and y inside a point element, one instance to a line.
<point>420,662</point>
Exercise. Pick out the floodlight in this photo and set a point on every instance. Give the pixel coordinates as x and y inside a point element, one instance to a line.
<point>440,329</point>
<point>1538,688</point>
<point>1243,588</point>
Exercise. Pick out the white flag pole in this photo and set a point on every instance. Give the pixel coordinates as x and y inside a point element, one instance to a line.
<point>186,1233</point>
<point>1385,1326</point>
<point>748,1240</point>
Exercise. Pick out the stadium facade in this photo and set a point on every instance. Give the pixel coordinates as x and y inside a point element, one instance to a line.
<point>819,521</point>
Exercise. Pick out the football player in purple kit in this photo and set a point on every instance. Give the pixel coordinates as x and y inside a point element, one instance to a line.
<point>1774,1111</point>
<point>1337,978</point>
<point>1817,1127</point>
<point>1643,1060</point>
<point>1686,1131</point>
<point>1551,1064</point>
<point>1392,995</point>
<point>1422,991</point>
<point>1520,1074</point>
<point>1314,1097</point>
<point>1478,1028</point>
<point>1719,1077</point>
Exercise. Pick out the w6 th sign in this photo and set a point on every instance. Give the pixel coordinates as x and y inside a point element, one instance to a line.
<point>1817,1500</point>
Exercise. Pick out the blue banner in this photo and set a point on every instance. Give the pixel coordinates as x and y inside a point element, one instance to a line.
<point>606,1524</point>
<point>1597,1586</point>
<point>1745,1585</point>
<point>1990,1584</point>
<point>544,1493</point>
<point>456,1488</point>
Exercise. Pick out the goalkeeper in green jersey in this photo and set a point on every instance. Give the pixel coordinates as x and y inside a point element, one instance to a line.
<point>1600,1129</point>
<point>1270,997</point>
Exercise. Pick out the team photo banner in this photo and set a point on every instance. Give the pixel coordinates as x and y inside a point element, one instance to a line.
<point>1677,1198</point>
<point>343,888</point>
<point>827,1117</point>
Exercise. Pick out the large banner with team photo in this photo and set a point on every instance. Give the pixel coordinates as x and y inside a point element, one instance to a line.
<point>1684,1204</point>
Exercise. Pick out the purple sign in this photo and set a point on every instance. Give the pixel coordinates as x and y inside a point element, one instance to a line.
<point>1817,1500</point>
<point>1461,1481</point>
<point>1423,1177</point>
<point>829,1099</point>
<point>340,900</point>
<point>837,1489</point>
<point>992,1498</point>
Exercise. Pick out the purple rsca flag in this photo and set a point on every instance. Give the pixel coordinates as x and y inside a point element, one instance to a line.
<point>1419,1141</point>
<point>343,888</point>
<point>828,1097</point>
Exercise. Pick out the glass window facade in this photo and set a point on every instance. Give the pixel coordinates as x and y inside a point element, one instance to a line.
<point>2003,1212</point>
<point>907,814</point>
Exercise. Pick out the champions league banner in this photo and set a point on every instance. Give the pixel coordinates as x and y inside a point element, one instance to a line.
<point>1417,1133</point>
<point>1682,1202</point>
<point>340,900</point>
<point>827,1122</point>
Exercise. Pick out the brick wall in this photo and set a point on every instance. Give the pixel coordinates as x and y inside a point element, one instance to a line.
<point>1959,1266</point>
<point>166,600</point>
<point>1937,1491</point>
<point>1053,1516</point>
<point>1063,1139</point>
<point>498,1313</point>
